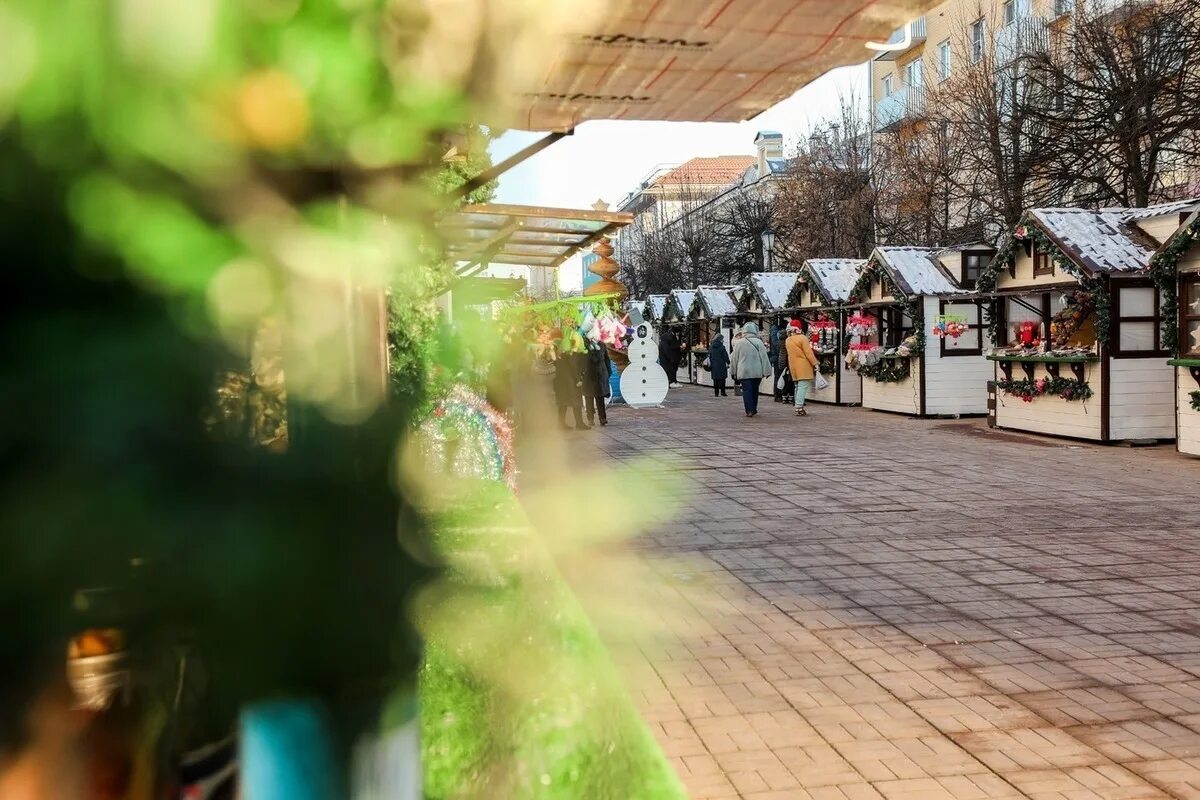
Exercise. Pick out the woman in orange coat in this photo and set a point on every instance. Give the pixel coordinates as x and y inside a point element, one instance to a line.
<point>802,363</point>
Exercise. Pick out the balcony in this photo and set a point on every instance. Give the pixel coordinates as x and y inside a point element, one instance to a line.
<point>1019,38</point>
<point>903,105</point>
<point>904,39</point>
<point>1102,8</point>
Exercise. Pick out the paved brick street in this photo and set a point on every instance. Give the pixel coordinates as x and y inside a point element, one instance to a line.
<point>895,608</point>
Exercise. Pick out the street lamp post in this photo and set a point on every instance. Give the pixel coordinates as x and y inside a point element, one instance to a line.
<point>768,241</point>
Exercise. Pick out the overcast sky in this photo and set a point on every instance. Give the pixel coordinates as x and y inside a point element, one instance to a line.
<point>606,160</point>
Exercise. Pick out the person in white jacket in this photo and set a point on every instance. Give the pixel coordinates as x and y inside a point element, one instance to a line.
<point>749,364</point>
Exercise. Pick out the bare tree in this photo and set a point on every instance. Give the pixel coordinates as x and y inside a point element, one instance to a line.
<point>1127,76</point>
<point>648,261</point>
<point>695,234</point>
<point>743,216</point>
<point>921,194</point>
<point>825,204</point>
<point>993,117</point>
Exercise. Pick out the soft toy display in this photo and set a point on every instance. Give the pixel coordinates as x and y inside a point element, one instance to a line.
<point>861,325</point>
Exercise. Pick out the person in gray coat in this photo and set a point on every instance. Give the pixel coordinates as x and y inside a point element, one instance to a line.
<point>749,364</point>
<point>718,364</point>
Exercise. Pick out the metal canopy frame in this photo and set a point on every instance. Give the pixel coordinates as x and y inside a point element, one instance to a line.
<point>530,236</point>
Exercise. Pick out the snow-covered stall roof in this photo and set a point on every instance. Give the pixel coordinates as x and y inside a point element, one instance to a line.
<point>772,288</point>
<point>656,305</point>
<point>679,303</point>
<point>1104,240</point>
<point>835,277</point>
<point>717,301</point>
<point>915,270</point>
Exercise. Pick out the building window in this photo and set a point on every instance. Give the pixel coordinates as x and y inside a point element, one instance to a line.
<point>1043,264</point>
<point>978,35</point>
<point>971,342</point>
<point>912,74</point>
<point>943,60</point>
<point>1135,313</point>
<point>1189,315</point>
<point>888,88</point>
<point>973,266</point>
<point>1015,10</point>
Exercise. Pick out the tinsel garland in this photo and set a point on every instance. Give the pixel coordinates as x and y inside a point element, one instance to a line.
<point>467,437</point>
<point>1029,388</point>
<point>1005,258</point>
<point>1163,273</point>
<point>1194,398</point>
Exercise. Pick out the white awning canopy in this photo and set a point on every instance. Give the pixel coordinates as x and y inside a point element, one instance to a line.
<point>703,60</point>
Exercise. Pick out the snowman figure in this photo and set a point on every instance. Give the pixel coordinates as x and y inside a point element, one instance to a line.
<point>643,383</point>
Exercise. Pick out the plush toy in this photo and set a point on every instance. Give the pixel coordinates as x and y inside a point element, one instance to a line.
<point>611,332</point>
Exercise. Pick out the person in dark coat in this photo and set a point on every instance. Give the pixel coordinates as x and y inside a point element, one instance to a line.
<point>669,355</point>
<point>774,346</point>
<point>787,393</point>
<point>568,388</point>
<point>718,364</point>
<point>596,384</point>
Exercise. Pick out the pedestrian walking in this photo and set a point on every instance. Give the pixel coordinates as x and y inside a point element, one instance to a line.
<point>774,348</point>
<point>669,355</point>
<point>749,364</point>
<point>568,388</point>
<point>802,364</point>
<point>596,386</point>
<point>784,385</point>
<point>718,364</point>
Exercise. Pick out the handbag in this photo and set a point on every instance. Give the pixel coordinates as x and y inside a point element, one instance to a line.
<point>820,381</point>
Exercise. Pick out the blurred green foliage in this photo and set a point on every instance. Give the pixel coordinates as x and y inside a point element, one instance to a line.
<point>151,148</point>
<point>519,697</point>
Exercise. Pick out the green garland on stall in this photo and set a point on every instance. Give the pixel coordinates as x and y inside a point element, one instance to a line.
<point>1006,256</point>
<point>1194,397</point>
<point>912,305</point>
<point>888,370</point>
<point>1163,273</point>
<point>805,278</point>
<point>1029,388</point>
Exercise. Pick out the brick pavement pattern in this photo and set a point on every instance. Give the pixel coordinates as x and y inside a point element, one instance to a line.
<point>917,609</point>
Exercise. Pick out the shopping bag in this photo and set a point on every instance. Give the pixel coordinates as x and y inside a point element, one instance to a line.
<point>782,382</point>
<point>820,381</point>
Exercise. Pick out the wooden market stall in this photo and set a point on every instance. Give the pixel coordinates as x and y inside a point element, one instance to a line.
<point>1077,325</point>
<point>677,316</point>
<point>899,312</point>
<point>1176,271</point>
<point>654,308</point>
<point>820,294</point>
<point>713,311</point>
<point>764,298</point>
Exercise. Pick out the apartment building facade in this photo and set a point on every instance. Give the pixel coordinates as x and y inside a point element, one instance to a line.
<point>955,36</point>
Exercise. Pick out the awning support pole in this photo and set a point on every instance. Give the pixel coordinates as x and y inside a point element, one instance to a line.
<point>495,171</point>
